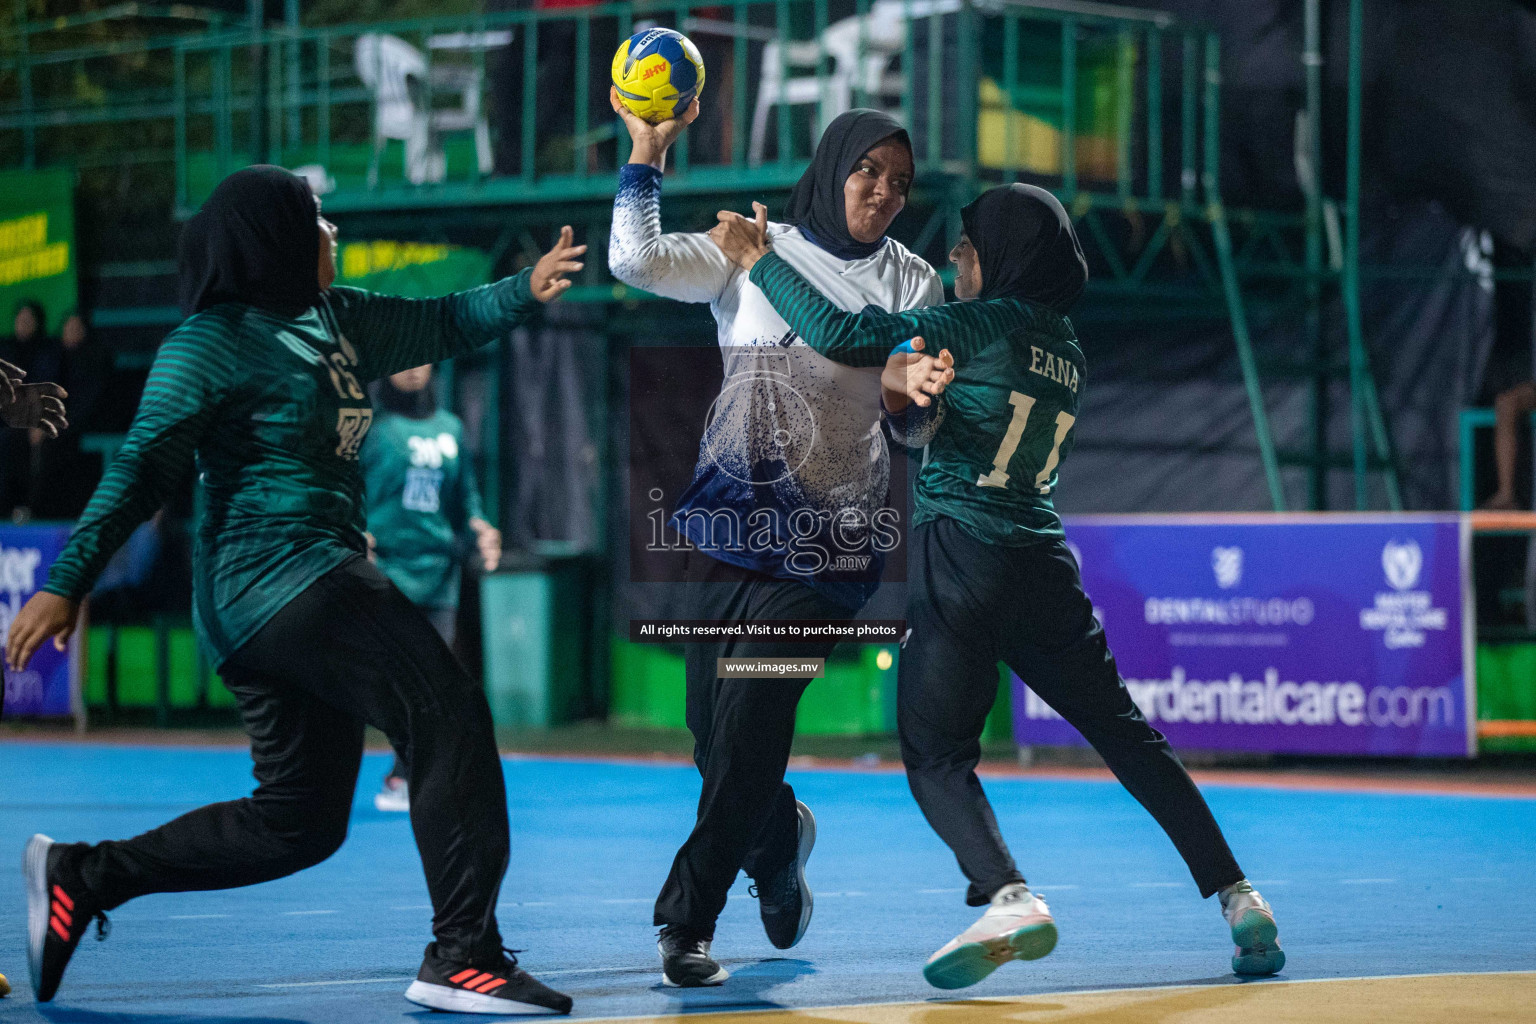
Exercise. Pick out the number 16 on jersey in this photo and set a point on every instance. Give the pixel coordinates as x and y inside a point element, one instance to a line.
<point>1023,405</point>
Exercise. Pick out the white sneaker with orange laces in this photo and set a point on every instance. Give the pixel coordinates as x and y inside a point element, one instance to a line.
<point>1017,926</point>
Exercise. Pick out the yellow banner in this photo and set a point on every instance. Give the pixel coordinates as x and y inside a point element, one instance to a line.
<point>23,234</point>
<point>359,259</point>
<point>49,261</point>
<point>37,242</point>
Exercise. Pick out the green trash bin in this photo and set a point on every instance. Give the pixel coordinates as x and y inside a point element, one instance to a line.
<point>534,617</point>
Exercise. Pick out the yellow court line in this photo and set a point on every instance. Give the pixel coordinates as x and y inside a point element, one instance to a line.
<point>1495,997</point>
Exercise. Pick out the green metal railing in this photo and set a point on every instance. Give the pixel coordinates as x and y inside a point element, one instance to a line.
<point>210,101</point>
<point>1117,109</point>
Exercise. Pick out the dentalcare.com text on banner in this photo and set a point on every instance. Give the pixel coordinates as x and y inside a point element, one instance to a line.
<point>1316,636</point>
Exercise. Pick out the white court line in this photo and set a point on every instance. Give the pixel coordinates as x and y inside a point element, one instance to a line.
<point>1366,881</point>
<point>307,913</point>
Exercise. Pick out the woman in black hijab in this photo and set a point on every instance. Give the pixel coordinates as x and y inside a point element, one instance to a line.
<point>254,242</point>
<point>264,384</point>
<point>765,460</point>
<point>840,210</point>
<point>992,578</point>
<point>1025,246</point>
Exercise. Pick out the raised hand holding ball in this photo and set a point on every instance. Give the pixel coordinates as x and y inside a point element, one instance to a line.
<point>657,74</point>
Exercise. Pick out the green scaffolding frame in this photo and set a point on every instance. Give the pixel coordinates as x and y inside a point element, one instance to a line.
<point>292,96</point>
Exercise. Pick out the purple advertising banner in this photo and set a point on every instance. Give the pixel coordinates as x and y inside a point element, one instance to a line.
<point>1283,634</point>
<point>44,688</point>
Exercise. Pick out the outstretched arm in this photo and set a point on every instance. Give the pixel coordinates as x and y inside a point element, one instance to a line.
<point>867,338</point>
<point>393,334</point>
<point>686,267</point>
<point>859,339</point>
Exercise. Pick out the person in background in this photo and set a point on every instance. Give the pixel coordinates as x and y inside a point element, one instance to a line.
<point>1510,410</point>
<point>422,498</point>
<point>28,333</point>
<point>21,351</point>
<point>82,366</point>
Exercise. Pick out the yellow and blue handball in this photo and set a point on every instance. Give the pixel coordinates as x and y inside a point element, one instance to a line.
<point>658,73</point>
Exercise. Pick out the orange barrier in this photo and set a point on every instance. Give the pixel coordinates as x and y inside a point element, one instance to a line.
<point>1502,522</point>
<point>1510,727</point>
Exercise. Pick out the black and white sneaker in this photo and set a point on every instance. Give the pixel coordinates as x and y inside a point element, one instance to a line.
<point>501,987</point>
<point>685,959</point>
<point>59,911</point>
<point>783,899</point>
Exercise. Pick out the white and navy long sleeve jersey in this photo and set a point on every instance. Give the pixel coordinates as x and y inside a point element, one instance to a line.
<point>792,468</point>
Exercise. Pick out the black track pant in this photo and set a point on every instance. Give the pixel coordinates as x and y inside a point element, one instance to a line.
<point>742,731</point>
<point>972,604</point>
<point>350,649</point>
<point>445,621</point>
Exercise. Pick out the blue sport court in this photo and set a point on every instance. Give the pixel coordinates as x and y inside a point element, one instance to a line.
<point>1367,884</point>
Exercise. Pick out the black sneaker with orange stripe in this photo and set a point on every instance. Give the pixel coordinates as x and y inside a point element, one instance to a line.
<point>59,910</point>
<point>500,987</point>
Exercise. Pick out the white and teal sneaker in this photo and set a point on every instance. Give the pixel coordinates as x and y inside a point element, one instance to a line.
<point>1017,926</point>
<point>1254,931</point>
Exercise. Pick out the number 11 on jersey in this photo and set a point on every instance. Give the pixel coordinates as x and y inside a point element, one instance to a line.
<point>1023,405</point>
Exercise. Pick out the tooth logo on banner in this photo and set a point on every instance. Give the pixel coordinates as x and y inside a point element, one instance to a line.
<point>1228,565</point>
<point>1402,563</point>
<point>1404,616</point>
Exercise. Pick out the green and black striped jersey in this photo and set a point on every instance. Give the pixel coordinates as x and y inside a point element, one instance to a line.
<point>1007,417</point>
<point>274,410</point>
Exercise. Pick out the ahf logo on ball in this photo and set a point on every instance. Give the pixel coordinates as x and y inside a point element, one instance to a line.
<point>1403,615</point>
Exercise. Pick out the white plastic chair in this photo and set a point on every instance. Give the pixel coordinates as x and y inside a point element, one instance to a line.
<point>777,88</point>
<point>884,37</point>
<point>397,75</point>
<point>862,49</point>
